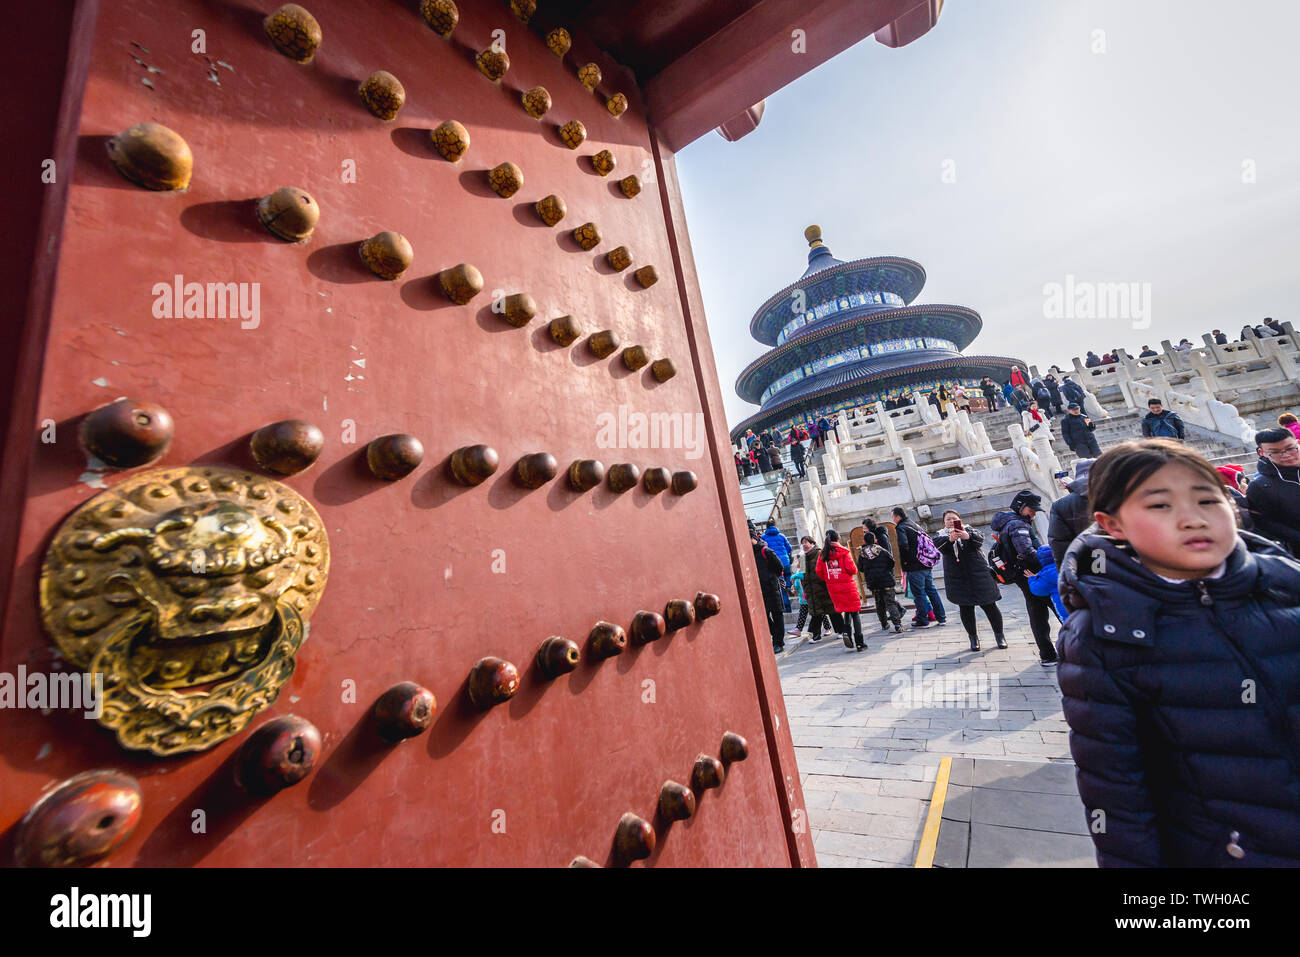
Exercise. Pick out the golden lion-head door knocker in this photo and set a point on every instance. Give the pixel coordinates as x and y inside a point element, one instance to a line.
<point>187,589</point>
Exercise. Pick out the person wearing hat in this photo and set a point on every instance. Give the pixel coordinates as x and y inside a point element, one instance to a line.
<point>1234,478</point>
<point>1017,547</point>
<point>1076,431</point>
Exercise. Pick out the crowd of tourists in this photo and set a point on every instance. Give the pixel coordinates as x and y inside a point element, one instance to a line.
<point>1177,588</point>
<point>1267,329</point>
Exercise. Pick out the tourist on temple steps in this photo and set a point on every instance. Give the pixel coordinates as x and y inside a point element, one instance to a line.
<point>1071,391</point>
<point>1179,670</point>
<point>1035,423</point>
<point>1287,420</point>
<point>990,390</point>
<point>1220,339</point>
<point>1054,394</point>
<point>1274,494</point>
<point>1161,423</point>
<point>1018,549</point>
<point>876,563</point>
<point>1147,352</point>
<point>920,579</point>
<point>1020,399</point>
<point>1043,396</point>
<point>966,578</point>
<point>815,433</point>
<point>1076,432</point>
<point>1092,361</point>
<point>769,582</point>
<point>1269,328</point>
<point>797,455</point>
<point>1018,377</point>
<point>835,567</point>
<point>764,460</point>
<point>819,598</point>
<point>828,428</point>
<point>1069,515</point>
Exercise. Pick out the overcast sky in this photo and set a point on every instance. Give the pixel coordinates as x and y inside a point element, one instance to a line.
<point>1126,165</point>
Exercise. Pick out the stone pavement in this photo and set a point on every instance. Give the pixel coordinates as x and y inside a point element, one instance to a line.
<point>871,728</point>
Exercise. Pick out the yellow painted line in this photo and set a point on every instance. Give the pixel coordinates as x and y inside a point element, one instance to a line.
<point>930,836</point>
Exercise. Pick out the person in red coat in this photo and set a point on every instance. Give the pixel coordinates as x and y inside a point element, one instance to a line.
<point>1018,377</point>
<point>835,567</point>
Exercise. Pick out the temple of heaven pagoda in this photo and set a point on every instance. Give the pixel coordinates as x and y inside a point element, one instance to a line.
<point>846,334</point>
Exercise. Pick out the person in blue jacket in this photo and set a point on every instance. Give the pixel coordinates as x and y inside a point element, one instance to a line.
<point>780,545</point>
<point>1180,670</point>
<point>1044,582</point>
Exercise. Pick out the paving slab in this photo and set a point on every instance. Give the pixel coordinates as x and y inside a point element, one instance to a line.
<point>994,846</point>
<point>871,729</point>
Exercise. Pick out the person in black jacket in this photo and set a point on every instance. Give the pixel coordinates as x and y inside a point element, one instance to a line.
<point>1076,430</point>
<point>797,455</point>
<point>1018,545</point>
<point>1180,671</point>
<point>990,390</point>
<point>1069,515</point>
<point>967,580</point>
<point>769,580</point>
<point>1054,390</point>
<point>1273,495</point>
<point>1160,423</point>
<point>1071,391</point>
<point>876,563</point>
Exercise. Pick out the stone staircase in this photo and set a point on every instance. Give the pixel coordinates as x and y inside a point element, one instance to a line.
<point>1121,425</point>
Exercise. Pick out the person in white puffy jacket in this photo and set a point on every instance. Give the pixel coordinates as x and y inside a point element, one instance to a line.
<point>1036,423</point>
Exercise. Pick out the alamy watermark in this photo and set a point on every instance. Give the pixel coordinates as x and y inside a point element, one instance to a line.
<point>654,430</point>
<point>970,692</point>
<point>72,691</point>
<point>179,299</point>
<point>1075,299</point>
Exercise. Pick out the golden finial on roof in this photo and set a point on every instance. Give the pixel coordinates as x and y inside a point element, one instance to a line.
<point>814,236</point>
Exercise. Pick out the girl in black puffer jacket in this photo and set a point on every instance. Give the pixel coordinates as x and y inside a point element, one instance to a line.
<point>1181,671</point>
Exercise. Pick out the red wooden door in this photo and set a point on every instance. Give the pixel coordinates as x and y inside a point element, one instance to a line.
<point>426,576</point>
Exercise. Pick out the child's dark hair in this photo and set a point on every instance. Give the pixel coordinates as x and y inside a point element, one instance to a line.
<point>1121,469</point>
<point>1286,418</point>
<point>832,538</point>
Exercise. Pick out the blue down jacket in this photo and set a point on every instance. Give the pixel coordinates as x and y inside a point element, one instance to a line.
<point>774,540</point>
<point>1183,700</point>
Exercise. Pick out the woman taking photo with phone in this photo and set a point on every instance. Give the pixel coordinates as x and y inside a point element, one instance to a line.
<point>967,581</point>
<point>1180,670</point>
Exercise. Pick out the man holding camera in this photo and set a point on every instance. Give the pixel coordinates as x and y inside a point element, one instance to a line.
<point>1076,431</point>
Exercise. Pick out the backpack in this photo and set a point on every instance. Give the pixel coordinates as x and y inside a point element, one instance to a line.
<point>1003,562</point>
<point>926,552</point>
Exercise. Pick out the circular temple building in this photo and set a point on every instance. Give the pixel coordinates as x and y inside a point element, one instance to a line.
<point>846,334</point>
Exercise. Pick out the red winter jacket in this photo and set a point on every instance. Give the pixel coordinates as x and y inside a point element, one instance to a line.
<point>840,575</point>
